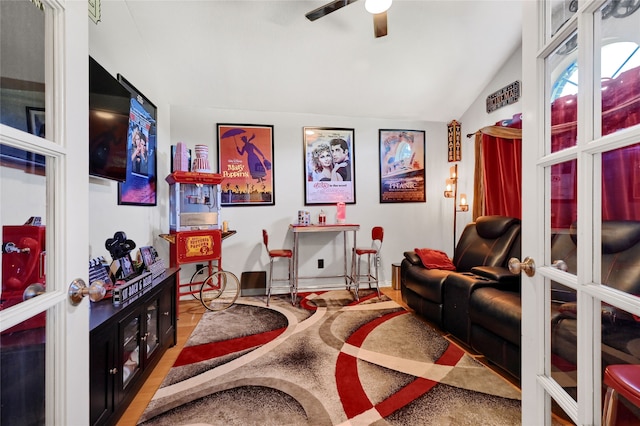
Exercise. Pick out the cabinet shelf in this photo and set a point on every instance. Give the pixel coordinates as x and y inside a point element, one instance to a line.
<point>115,332</point>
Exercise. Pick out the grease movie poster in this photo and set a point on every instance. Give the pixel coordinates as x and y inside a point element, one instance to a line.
<point>329,165</point>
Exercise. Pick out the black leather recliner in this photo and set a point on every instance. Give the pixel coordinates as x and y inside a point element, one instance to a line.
<point>488,242</point>
<point>620,270</point>
<point>495,313</point>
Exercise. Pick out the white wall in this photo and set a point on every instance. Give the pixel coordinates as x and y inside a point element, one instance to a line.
<point>407,225</point>
<point>476,117</point>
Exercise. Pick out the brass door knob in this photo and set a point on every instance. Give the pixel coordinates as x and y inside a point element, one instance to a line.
<point>528,266</point>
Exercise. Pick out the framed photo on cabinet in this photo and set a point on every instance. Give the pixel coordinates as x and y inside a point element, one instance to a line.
<point>329,165</point>
<point>245,161</point>
<point>402,159</point>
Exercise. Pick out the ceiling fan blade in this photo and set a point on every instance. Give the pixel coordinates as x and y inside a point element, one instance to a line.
<point>380,24</point>
<point>327,9</point>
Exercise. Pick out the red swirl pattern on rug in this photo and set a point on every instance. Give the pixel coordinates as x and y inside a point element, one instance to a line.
<point>352,395</point>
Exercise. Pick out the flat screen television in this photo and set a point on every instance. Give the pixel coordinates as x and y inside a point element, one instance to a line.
<point>109,104</point>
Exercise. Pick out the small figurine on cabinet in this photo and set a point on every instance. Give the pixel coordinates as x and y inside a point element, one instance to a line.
<point>120,249</point>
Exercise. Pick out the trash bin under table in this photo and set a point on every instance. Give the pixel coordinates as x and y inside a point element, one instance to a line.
<point>395,276</point>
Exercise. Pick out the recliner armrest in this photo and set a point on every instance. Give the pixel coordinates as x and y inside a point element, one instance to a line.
<point>412,257</point>
<point>608,313</point>
<point>497,273</point>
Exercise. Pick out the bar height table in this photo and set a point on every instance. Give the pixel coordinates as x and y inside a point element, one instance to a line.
<point>302,229</point>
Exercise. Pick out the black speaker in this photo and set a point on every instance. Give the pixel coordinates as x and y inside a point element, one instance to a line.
<point>253,283</point>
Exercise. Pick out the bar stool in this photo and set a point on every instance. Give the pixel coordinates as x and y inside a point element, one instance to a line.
<point>274,254</point>
<point>357,277</point>
<point>623,379</point>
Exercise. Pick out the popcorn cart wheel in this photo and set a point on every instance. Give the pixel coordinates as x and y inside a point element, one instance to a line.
<point>219,290</point>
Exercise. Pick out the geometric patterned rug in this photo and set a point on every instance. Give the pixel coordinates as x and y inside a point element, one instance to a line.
<point>327,361</point>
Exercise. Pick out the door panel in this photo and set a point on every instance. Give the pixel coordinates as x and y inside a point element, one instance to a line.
<point>55,192</point>
<point>581,199</point>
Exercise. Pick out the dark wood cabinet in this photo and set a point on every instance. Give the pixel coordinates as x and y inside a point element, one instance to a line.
<point>127,341</point>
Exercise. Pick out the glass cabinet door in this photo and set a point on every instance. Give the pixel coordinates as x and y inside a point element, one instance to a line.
<point>152,335</point>
<point>130,356</point>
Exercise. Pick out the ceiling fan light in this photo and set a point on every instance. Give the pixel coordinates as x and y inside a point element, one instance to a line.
<point>377,6</point>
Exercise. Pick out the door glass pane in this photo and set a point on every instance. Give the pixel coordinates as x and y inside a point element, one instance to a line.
<point>564,211</point>
<point>22,213</point>
<point>22,371</point>
<point>564,310</point>
<point>22,69</point>
<point>621,219</point>
<point>561,11</point>
<point>621,347</point>
<point>620,69</point>
<point>152,335</point>
<point>562,74</point>
<point>130,350</point>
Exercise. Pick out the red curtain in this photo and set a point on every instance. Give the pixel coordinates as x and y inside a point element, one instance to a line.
<point>502,169</point>
<point>498,162</point>
<point>620,168</point>
<point>498,169</point>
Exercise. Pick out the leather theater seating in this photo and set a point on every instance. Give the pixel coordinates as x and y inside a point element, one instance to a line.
<point>481,306</point>
<point>620,331</point>
<point>488,242</point>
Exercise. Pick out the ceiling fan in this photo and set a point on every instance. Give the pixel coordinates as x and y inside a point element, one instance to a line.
<point>378,8</point>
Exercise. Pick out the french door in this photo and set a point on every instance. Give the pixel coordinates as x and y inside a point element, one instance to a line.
<point>43,176</point>
<point>581,119</point>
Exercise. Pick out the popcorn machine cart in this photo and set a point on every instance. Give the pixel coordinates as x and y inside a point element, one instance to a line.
<point>196,237</point>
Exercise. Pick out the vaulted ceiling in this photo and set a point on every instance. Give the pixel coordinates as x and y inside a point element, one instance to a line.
<point>265,55</point>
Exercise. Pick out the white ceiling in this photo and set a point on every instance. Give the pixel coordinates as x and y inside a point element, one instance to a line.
<point>265,55</point>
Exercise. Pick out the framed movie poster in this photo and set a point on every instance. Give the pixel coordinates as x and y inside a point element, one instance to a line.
<point>329,167</point>
<point>402,159</point>
<point>139,188</point>
<point>245,161</point>
<point>35,121</point>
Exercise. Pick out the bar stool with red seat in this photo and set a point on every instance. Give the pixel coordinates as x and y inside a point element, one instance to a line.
<point>621,379</point>
<point>357,277</point>
<point>275,254</point>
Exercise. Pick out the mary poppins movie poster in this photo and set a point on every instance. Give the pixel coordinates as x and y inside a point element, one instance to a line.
<point>245,161</point>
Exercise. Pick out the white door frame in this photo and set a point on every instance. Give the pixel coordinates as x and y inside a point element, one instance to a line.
<point>67,242</point>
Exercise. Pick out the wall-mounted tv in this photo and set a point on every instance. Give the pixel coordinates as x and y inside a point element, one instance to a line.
<point>109,104</point>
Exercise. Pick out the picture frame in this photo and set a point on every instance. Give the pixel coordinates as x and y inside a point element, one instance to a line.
<point>246,162</point>
<point>26,161</point>
<point>36,121</point>
<point>147,255</point>
<point>140,185</point>
<point>121,268</point>
<point>329,165</point>
<point>402,166</point>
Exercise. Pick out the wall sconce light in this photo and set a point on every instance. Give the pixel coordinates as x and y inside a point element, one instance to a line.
<point>464,207</point>
<point>451,191</point>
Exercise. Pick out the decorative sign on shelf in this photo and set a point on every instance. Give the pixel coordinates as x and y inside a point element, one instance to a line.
<point>503,97</point>
<point>454,143</point>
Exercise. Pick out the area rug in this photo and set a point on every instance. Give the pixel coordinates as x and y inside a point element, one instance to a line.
<point>328,361</point>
